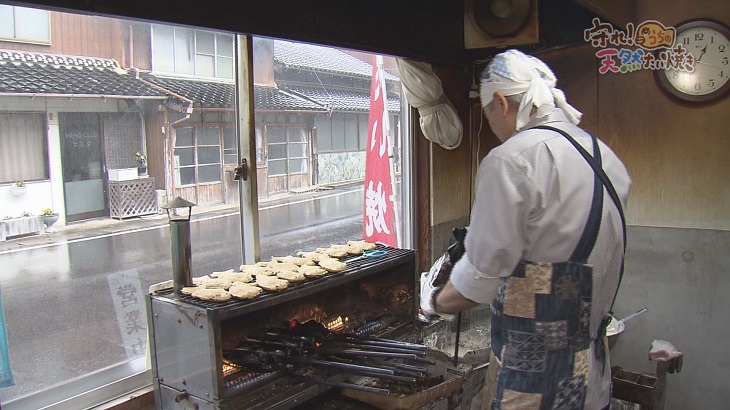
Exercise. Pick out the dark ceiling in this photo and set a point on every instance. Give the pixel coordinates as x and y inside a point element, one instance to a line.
<point>429,30</point>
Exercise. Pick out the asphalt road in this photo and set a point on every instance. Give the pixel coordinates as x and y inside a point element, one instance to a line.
<point>76,307</point>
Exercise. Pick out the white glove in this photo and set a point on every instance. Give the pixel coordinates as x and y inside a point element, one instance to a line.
<point>432,282</point>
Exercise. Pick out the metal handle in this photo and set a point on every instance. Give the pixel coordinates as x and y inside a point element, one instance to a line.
<point>241,171</point>
<point>180,396</point>
<point>633,315</point>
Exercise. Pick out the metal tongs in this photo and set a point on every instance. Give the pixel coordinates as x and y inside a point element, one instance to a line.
<point>371,254</point>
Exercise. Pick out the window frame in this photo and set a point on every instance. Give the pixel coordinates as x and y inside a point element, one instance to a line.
<point>133,375</point>
<point>16,39</point>
<point>196,150</point>
<point>287,144</point>
<point>42,142</point>
<point>217,56</point>
<point>356,122</point>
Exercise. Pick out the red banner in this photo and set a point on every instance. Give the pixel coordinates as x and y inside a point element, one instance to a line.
<point>378,209</point>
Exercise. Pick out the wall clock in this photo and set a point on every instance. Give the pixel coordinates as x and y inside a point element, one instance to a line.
<point>709,42</point>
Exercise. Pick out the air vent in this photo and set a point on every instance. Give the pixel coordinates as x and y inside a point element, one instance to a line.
<point>499,23</point>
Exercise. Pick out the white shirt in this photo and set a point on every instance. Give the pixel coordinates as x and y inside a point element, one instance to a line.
<point>533,195</point>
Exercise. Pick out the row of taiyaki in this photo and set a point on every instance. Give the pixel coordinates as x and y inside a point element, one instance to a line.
<point>275,275</point>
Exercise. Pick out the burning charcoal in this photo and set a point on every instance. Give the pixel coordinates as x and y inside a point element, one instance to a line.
<point>308,328</point>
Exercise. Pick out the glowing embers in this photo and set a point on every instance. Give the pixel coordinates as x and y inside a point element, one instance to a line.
<point>335,324</point>
<point>230,368</point>
<point>236,377</point>
<point>300,350</point>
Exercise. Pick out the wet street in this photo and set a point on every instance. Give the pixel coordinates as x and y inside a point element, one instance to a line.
<point>76,307</point>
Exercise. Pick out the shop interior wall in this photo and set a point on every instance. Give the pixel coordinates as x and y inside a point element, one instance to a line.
<point>679,228</point>
<point>678,158</point>
<point>450,170</point>
<point>677,262</point>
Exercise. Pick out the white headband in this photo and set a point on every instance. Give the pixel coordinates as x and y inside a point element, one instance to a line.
<point>512,73</point>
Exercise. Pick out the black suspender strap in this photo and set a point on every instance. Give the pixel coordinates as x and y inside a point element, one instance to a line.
<point>593,224</point>
<point>601,174</point>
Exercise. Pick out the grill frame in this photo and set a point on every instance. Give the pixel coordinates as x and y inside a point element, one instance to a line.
<point>187,335</point>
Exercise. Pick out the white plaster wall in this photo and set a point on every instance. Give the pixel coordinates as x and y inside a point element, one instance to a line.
<point>36,198</point>
<point>46,194</point>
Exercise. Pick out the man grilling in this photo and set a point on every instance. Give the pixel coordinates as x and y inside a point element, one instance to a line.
<point>545,245</point>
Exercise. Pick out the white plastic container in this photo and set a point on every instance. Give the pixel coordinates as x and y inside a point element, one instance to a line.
<point>122,174</point>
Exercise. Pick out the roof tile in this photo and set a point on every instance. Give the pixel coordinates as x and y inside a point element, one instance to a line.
<point>37,73</point>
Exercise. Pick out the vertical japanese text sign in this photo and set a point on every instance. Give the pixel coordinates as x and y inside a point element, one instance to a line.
<point>378,209</point>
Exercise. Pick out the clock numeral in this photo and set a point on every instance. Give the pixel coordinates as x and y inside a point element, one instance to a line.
<point>698,87</point>
<point>725,61</point>
<point>675,75</point>
<point>699,36</point>
<point>685,41</point>
<point>711,83</point>
<point>721,48</point>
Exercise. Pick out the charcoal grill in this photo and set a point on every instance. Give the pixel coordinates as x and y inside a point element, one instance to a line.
<point>188,337</point>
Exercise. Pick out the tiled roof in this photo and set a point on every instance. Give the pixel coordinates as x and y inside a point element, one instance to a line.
<point>270,98</point>
<point>37,73</point>
<point>205,94</point>
<point>341,100</point>
<point>211,94</point>
<point>321,58</point>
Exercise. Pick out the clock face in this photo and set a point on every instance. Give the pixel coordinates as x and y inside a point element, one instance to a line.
<point>709,43</point>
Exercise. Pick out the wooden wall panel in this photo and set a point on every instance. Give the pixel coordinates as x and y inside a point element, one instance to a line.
<point>276,184</point>
<point>80,35</point>
<point>671,12</point>
<point>299,181</point>
<point>676,155</point>
<point>155,140</point>
<point>210,194</point>
<point>140,52</point>
<point>451,182</point>
<point>261,177</point>
<point>187,193</point>
<point>576,69</point>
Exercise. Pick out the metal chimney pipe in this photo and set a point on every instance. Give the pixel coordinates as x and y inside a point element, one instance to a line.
<point>182,274</point>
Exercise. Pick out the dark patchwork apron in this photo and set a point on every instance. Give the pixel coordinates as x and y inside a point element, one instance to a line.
<point>540,321</point>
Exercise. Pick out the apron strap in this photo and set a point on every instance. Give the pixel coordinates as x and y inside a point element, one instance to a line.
<point>600,174</point>
<point>593,224</point>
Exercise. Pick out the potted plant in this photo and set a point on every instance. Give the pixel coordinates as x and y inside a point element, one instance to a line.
<point>18,188</point>
<point>141,163</point>
<point>49,217</point>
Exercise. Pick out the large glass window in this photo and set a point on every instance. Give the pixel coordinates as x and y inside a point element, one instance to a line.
<point>186,51</point>
<point>198,155</point>
<point>341,132</point>
<point>22,147</point>
<point>24,24</point>
<point>230,146</point>
<point>288,150</point>
<point>86,284</point>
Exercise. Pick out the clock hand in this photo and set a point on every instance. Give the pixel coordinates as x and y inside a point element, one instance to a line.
<point>702,53</point>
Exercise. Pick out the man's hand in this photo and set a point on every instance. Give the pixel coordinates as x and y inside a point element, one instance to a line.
<point>432,282</point>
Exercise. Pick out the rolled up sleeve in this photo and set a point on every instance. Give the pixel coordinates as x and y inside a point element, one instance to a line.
<point>497,230</point>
